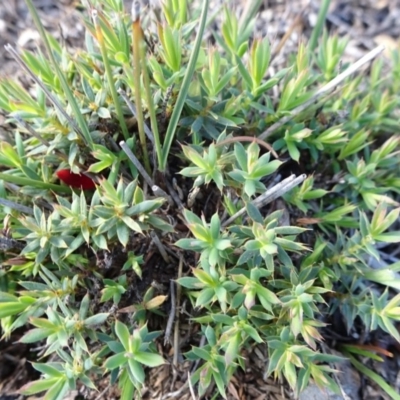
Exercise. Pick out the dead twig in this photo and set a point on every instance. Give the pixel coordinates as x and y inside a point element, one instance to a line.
<point>156,189</point>
<point>175,301</point>
<point>16,206</point>
<point>270,195</point>
<point>168,329</point>
<point>156,240</point>
<point>174,195</point>
<point>101,395</point>
<point>191,387</point>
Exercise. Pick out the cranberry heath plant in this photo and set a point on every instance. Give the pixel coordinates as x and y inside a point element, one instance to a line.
<point>271,210</point>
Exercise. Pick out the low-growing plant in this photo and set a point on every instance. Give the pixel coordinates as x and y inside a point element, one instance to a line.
<point>150,156</point>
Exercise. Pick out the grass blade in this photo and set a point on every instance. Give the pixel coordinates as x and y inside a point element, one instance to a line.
<point>373,376</point>
<point>36,184</point>
<point>317,31</point>
<point>173,123</point>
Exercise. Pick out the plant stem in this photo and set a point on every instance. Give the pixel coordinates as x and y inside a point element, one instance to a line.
<point>137,41</point>
<point>152,112</point>
<point>18,180</point>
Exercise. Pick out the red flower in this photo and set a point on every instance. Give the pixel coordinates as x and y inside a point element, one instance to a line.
<point>76,180</point>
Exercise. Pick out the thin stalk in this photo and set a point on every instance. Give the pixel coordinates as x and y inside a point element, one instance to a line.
<point>33,132</point>
<point>132,109</point>
<point>83,127</point>
<point>316,33</point>
<point>18,180</point>
<point>187,80</point>
<point>110,78</point>
<point>137,42</point>
<point>152,111</point>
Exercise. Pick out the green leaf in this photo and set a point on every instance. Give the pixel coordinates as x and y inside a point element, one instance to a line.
<point>149,359</point>
<point>190,283</point>
<point>201,353</point>
<point>115,361</point>
<point>8,309</point>
<point>133,225</point>
<point>145,207</point>
<point>192,218</point>
<point>123,234</point>
<point>266,169</point>
<point>254,213</point>
<point>189,244</point>
<point>123,334</point>
<point>38,386</point>
<point>289,371</point>
<point>103,113</point>
<point>241,156</point>
<point>97,319</point>
<point>195,157</point>
<point>215,226</point>
<point>206,295</point>
<point>389,237</point>
<point>136,370</point>
<point>48,370</point>
<point>35,335</point>
<point>265,294</point>
<point>10,154</point>
<point>293,151</point>
<point>58,390</point>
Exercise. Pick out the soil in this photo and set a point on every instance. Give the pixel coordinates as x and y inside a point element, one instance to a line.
<point>367,23</point>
